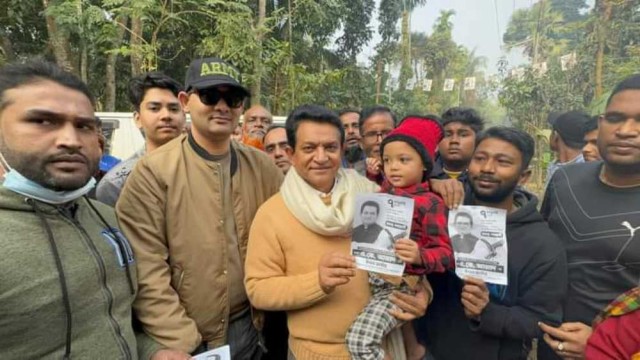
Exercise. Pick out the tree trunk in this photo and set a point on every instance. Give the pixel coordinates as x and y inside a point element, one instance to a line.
<point>256,87</point>
<point>290,65</point>
<point>7,48</point>
<point>379,68</point>
<point>136,41</point>
<point>84,63</point>
<point>83,46</point>
<point>276,97</point>
<point>58,42</point>
<point>602,40</point>
<point>405,68</point>
<point>110,73</point>
<point>536,35</point>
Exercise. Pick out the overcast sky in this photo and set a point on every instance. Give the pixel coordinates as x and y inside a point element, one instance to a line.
<point>478,24</point>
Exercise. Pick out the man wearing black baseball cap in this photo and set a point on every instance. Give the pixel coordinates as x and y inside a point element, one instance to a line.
<point>187,209</point>
<point>567,139</point>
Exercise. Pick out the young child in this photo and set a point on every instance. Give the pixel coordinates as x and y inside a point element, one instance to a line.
<point>407,154</point>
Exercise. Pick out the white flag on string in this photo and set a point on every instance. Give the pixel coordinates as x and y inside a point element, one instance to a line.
<point>426,85</point>
<point>518,73</point>
<point>470,83</point>
<point>393,84</point>
<point>568,61</point>
<point>411,83</point>
<point>448,84</point>
<point>540,68</point>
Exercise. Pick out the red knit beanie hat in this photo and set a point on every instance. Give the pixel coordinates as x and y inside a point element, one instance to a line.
<point>423,133</point>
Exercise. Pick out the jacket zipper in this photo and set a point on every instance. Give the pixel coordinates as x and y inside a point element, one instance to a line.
<point>224,228</point>
<point>230,207</point>
<point>103,277</point>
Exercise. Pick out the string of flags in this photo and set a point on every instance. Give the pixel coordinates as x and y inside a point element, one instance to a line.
<point>426,85</point>
<point>567,62</point>
<point>470,83</point>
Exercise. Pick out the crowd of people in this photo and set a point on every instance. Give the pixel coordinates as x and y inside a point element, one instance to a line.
<point>220,233</point>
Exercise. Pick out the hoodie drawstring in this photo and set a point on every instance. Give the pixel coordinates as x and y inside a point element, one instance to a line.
<point>61,277</point>
<point>121,246</point>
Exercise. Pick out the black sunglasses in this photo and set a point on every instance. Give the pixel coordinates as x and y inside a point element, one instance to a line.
<point>233,98</point>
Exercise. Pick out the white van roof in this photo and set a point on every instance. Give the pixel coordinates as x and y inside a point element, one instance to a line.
<point>124,138</point>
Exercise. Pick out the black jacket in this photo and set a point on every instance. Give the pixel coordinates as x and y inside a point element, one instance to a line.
<point>537,271</point>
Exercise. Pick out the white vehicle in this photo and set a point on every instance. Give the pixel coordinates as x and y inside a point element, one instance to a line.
<point>124,138</point>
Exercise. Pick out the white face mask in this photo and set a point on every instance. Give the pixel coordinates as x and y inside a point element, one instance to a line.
<point>17,183</point>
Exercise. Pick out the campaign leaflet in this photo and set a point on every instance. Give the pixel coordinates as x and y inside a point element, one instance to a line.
<point>380,220</point>
<point>221,353</point>
<point>479,243</point>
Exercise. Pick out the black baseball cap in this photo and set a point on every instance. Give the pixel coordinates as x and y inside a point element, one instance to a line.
<point>213,71</point>
<point>570,126</point>
<point>552,117</point>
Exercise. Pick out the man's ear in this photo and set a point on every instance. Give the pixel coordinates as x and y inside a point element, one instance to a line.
<point>524,177</point>
<point>183,97</point>
<point>553,140</point>
<point>289,151</point>
<point>600,120</point>
<point>136,119</point>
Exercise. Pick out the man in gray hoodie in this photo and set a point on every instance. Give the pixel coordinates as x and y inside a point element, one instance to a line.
<point>67,275</point>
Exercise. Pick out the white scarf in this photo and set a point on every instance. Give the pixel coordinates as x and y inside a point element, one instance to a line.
<point>307,206</point>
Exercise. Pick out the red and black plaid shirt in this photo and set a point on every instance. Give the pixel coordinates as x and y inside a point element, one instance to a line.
<point>428,228</point>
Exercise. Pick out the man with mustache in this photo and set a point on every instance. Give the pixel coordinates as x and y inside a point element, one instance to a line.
<point>470,319</point>
<point>67,277</point>
<point>375,124</point>
<point>354,156</point>
<point>255,123</point>
<point>187,209</point>
<point>277,147</point>
<point>158,115</point>
<point>298,255</point>
<point>593,209</point>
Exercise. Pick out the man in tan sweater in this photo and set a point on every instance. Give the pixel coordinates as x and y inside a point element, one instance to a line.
<point>299,244</point>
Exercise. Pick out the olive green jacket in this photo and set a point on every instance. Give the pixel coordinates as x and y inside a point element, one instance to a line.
<point>33,316</point>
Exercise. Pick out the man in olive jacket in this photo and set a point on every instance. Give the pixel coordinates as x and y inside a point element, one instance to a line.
<point>67,275</point>
<point>187,209</point>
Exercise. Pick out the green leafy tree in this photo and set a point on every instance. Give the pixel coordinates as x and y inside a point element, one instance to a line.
<point>537,31</point>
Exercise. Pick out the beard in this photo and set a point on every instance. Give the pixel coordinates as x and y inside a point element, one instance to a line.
<point>499,194</point>
<point>254,142</point>
<point>33,166</point>
<point>353,154</point>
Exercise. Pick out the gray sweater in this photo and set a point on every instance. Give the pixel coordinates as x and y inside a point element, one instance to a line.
<point>33,315</point>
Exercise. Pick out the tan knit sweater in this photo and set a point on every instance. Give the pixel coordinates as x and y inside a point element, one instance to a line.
<point>281,273</point>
